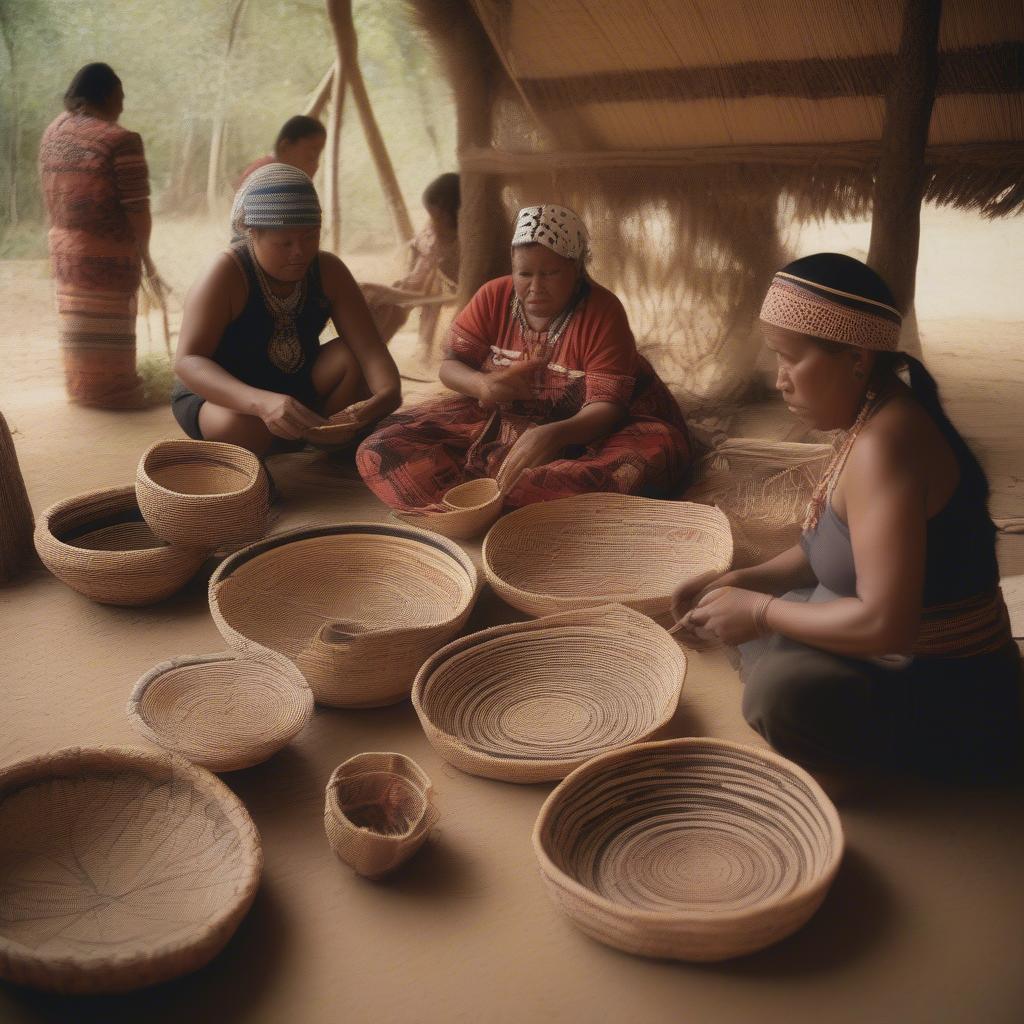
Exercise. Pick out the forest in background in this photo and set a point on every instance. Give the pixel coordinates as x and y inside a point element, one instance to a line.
<point>172,61</point>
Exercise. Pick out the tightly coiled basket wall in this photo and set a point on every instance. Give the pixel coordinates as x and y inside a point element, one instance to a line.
<point>98,544</point>
<point>119,868</point>
<point>593,549</point>
<point>378,811</point>
<point>203,493</point>
<point>222,711</point>
<point>691,849</point>
<point>466,511</point>
<point>531,701</point>
<point>357,607</point>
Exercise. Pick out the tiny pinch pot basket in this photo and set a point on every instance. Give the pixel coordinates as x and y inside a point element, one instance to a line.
<point>98,544</point>
<point>468,510</point>
<point>119,868</point>
<point>356,607</point>
<point>203,493</point>
<point>531,701</point>
<point>593,549</point>
<point>689,849</point>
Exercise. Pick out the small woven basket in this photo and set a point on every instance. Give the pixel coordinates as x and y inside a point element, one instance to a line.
<point>339,431</point>
<point>98,544</point>
<point>531,701</point>
<point>378,811</point>
<point>357,607</point>
<point>594,549</point>
<point>467,510</point>
<point>222,711</point>
<point>690,849</point>
<point>203,494</point>
<point>119,868</point>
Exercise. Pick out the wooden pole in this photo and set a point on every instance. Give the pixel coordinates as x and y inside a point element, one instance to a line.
<point>321,94</point>
<point>16,524</point>
<point>213,173</point>
<point>332,170</point>
<point>899,183</point>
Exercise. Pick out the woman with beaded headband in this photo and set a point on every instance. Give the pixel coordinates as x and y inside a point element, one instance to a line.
<point>881,640</point>
<point>552,397</point>
<point>250,364</point>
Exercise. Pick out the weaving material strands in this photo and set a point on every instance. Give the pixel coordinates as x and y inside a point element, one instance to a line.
<point>121,868</point>
<point>691,849</point>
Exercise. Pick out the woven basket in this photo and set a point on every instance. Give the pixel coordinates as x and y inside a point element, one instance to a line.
<point>339,431</point>
<point>595,549</point>
<point>222,711</point>
<point>378,811</point>
<point>203,494</point>
<point>119,868</point>
<point>358,607</point>
<point>692,849</point>
<point>531,701</point>
<point>98,544</point>
<point>469,510</point>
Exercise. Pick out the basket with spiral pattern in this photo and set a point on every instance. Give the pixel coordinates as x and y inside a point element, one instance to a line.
<point>467,510</point>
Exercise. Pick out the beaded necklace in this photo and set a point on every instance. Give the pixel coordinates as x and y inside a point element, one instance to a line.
<point>284,349</point>
<point>555,329</point>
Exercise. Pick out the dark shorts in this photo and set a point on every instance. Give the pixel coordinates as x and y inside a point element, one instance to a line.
<point>185,406</point>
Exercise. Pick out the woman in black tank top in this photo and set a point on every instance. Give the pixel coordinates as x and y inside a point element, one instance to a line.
<point>250,364</point>
<point>882,638</point>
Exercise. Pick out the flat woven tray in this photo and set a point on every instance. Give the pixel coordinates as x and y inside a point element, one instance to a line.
<point>594,549</point>
<point>357,607</point>
<point>119,868</point>
<point>531,701</point>
<point>691,849</point>
<point>222,711</point>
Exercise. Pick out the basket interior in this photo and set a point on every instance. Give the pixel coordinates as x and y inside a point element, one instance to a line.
<point>472,494</point>
<point>124,530</point>
<point>200,474</point>
<point>382,802</point>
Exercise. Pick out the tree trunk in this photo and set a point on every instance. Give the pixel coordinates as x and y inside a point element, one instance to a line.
<point>321,94</point>
<point>213,175</point>
<point>16,549</point>
<point>6,31</point>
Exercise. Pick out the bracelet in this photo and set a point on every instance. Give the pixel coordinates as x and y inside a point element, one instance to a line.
<point>760,614</point>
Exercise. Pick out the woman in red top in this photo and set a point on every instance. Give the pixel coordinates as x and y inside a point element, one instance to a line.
<point>551,390</point>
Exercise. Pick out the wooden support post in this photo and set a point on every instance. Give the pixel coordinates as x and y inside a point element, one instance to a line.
<point>899,183</point>
<point>16,524</point>
<point>321,94</point>
<point>332,170</point>
<point>213,173</point>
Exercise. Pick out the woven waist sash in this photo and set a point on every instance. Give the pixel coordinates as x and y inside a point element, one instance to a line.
<point>962,629</point>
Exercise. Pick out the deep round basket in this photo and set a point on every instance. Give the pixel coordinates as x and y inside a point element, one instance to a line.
<point>119,868</point>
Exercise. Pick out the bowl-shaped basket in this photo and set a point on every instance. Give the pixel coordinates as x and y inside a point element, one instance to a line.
<point>119,868</point>
<point>358,607</point>
<point>467,510</point>
<point>203,494</point>
<point>594,549</point>
<point>378,811</point>
<point>98,544</point>
<point>531,701</point>
<point>691,849</point>
<point>339,431</point>
<point>223,711</point>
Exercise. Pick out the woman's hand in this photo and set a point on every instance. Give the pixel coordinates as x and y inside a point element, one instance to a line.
<point>509,384</point>
<point>729,613</point>
<point>689,593</point>
<point>287,417</point>
<point>537,447</point>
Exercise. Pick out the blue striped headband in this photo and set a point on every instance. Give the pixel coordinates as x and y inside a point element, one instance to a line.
<point>275,196</point>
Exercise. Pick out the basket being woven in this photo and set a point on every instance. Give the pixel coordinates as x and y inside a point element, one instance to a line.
<point>358,607</point>
<point>467,510</point>
<point>691,849</point>
<point>340,430</point>
<point>531,701</point>
<point>203,493</point>
<point>378,811</point>
<point>593,549</point>
<point>98,544</point>
<point>222,711</point>
<point>119,868</point>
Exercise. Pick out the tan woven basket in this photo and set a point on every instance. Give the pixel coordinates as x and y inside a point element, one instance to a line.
<point>594,549</point>
<point>378,811</point>
<point>358,607</point>
<point>222,711</point>
<point>203,493</point>
<point>469,510</point>
<point>339,431</point>
<point>120,868</point>
<point>692,849</point>
<point>98,544</point>
<point>531,701</point>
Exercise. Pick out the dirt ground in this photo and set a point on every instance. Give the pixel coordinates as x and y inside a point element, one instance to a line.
<point>922,924</point>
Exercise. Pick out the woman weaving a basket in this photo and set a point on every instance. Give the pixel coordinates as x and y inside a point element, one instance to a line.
<point>554,398</point>
<point>897,555</point>
<point>250,361</point>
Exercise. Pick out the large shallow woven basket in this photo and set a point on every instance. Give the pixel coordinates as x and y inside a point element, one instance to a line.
<point>378,811</point>
<point>222,711</point>
<point>693,849</point>
<point>203,493</point>
<point>467,510</point>
<point>119,868</point>
<point>531,701</point>
<point>98,544</point>
<point>358,607</point>
<point>592,549</point>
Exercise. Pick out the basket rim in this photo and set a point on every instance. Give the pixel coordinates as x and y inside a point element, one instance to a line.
<point>578,616</point>
<point>232,450</point>
<point>44,524</point>
<point>415,776</point>
<point>619,911</point>
<point>60,763</point>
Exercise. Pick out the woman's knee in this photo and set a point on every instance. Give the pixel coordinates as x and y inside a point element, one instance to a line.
<point>334,363</point>
<point>219,424</point>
